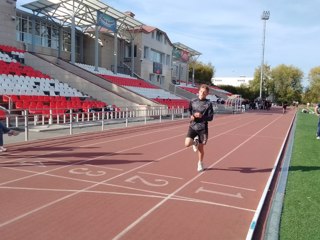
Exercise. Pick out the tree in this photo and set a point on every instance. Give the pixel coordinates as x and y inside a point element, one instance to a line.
<point>254,85</point>
<point>312,93</point>
<point>203,73</point>
<point>285,83</point>
<point>307,96</point>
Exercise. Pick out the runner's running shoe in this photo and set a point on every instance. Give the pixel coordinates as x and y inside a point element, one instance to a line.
<point>2,149</point>
<point>200,166</point>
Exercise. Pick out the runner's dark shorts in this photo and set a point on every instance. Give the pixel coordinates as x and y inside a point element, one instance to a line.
<point>203,135</point>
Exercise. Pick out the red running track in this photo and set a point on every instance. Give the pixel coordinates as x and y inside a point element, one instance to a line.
<point>141,183</point>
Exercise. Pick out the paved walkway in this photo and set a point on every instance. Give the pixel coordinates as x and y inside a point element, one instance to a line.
<point>52,131</point>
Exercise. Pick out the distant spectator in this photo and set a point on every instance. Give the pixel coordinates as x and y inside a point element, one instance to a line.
<point>317,111</point>
<point>5,130</point>
<point>284,107</point>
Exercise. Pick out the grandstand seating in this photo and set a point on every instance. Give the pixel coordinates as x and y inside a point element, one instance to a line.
<point>195,90</point>
<point>190,89</point>
<point>153,92</point>
<point>16,68</point>
<point>2,114</point>
<point>26,88</point>
<point>139,86</point>
<point>149,91</point>
<point>173,103</point>
<point>59,104</point>
<point>31,85</point>
<point>91,68</point>
<point>124,81</point>
<point>11,54</point>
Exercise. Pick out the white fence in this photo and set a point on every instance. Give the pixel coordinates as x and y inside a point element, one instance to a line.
<point>25,122</point>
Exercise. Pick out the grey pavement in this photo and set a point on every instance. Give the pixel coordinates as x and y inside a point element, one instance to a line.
<point>60,130</point>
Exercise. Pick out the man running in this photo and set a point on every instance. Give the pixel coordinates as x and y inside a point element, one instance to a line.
<point>201,111</point>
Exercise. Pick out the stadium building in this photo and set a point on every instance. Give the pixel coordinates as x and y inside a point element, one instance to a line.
<point>92,51</point>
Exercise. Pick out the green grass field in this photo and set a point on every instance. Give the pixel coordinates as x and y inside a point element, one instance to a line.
<point>300,218</point>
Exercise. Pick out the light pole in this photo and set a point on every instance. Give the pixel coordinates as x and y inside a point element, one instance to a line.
<point>265,16</point>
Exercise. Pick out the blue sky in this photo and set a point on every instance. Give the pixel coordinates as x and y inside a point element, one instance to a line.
<point>229,33</point>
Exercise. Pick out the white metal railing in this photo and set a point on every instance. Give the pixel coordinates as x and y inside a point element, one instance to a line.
<point>25,121</point>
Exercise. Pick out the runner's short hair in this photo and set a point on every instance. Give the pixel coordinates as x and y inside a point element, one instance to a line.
<point>205,86</point>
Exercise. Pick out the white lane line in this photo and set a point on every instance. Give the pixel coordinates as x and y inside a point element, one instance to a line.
<point>254,220</point>
<point>95,158</point>
<point>43,173</point>
<point>129,171</point>
<point>237,195</point>
<point>161,196</point>
<point>93,144</point>
<point>115,140</point>
<point>151,210</point>
<point>73,194</point>
<point>160,175</point>
<point>80,162</point>
<point>229,186</point>
<point>104,167</point>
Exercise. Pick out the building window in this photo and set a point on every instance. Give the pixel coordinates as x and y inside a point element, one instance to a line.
<point>168,61</point>
<point>156,56</point>
<point>152,77</point>
<point>159,36</point>
<point>46,33</point>
<point>128,51</point>
<point>146,52</point>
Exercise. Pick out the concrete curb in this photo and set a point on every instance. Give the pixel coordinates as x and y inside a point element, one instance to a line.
<point>273,222</point>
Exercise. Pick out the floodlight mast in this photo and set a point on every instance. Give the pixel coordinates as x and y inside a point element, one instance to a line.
<point>265,16</point>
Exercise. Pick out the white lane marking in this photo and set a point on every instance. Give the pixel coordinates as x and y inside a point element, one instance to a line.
<point>160,175</point>
<point>95,158</point>
<point>104,167</point>
<point>77,192</point>
<point>151,210</point>
<point>131,170</point>
<point>92,144</point>
<point>161,196</point>
<point>157,182</point>
<point>237,195</point>
<point>229,186</point>
<point>87,172</point>
<point>119,139</point>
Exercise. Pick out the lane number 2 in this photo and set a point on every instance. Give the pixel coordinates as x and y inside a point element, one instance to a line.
<point>157,182</point>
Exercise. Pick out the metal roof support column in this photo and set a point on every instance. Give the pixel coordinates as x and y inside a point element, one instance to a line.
<point>186,72</point>
<point>60,46</point>
<point>115,52</point>
<point>81,48</point>
<point>96,50</point>
<point>73,40</point>
<point>193,63</point>
<point>193,75</point>
<point>132,57</point>
<point>33,33</point>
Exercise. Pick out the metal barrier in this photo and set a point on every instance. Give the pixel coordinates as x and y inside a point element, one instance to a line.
<point>25,121</point>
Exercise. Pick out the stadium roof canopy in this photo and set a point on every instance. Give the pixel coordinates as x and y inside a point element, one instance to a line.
<point>83,14</point>
<point>186,48</point>
<point>83,11</point>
